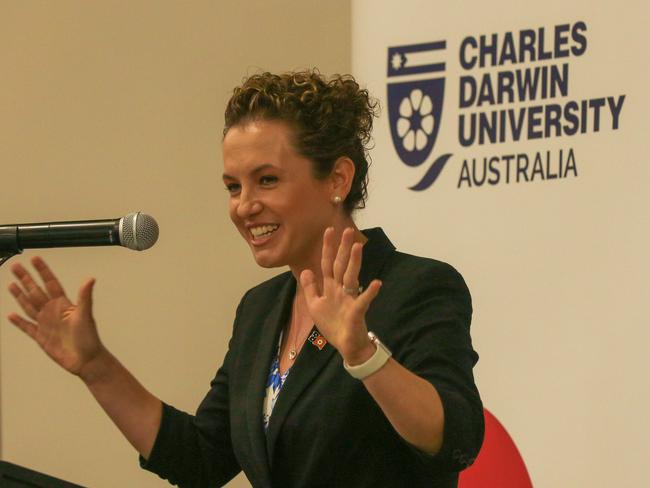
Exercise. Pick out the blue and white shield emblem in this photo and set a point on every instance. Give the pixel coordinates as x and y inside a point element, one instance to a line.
<point>415,107</point>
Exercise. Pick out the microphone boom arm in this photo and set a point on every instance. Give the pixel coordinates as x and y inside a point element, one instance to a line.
<point>8,243</point>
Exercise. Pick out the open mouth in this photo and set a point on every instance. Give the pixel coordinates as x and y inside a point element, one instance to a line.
<point>263,230</point>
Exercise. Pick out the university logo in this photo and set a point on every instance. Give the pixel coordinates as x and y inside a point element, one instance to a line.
<point>415,106</point>
<point>514,95</point>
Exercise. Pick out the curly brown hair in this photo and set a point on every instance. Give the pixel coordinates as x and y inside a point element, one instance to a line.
<point>331,118</point>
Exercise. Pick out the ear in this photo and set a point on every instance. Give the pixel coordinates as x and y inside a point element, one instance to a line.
<point>341,177</point>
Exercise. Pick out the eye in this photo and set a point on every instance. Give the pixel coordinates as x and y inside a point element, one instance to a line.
<point>268,180</point>
<point>232,188</point>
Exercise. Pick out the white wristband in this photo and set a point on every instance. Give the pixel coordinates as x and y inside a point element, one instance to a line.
<point>372,365</point>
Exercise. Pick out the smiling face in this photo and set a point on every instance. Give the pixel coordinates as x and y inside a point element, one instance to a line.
<point>277,205</point>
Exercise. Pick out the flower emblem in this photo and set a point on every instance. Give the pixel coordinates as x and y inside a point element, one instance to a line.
<point>416,122</point>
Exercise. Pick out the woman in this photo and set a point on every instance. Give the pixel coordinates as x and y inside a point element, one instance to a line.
<point>305,397</point>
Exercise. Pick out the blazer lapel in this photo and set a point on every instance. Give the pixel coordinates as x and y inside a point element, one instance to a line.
<point>310,361</point>
<point>267,346</point>
<point>308,365</point>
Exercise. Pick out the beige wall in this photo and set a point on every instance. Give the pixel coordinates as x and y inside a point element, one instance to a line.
<point>114,106</point>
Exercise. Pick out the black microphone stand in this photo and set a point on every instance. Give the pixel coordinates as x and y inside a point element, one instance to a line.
<point>6,255</point>
<point>8,243</point>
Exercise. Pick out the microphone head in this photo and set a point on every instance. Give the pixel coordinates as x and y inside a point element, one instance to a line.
<point>138,231</point>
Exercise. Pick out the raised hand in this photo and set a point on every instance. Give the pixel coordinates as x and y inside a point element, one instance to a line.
<point>339,309</point>
<point>64,330</point>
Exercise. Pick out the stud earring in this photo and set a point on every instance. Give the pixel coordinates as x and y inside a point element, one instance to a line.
<point>337,200</point>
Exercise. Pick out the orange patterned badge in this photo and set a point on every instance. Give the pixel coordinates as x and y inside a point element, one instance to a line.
<point>317,340</point>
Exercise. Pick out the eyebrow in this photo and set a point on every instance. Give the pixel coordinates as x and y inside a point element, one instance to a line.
<point>259,169</point>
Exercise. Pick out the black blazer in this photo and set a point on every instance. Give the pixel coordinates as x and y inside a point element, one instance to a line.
<point>326,430</point>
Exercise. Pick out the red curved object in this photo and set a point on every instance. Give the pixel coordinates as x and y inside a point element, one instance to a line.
<point>499,464</point>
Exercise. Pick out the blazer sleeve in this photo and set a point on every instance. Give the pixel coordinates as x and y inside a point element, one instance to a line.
<point>196,450</point>
<point>433,341</point>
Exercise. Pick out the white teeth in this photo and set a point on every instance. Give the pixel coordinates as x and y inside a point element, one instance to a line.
<point>263,230</point>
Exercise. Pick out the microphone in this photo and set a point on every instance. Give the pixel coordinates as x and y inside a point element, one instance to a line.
<point>136,231</point>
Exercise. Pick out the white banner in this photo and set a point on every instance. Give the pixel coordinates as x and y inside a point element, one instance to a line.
<point>513,144</point>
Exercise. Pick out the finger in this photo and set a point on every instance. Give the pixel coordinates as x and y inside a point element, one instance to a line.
<point>27,327</point>
<point>351,276</point>
<point>309,285</point>
<point>329,252</point>
<point>343,254</point>
<point>23,301</point>
<point>365,299</point>
<point>32,290</point>
<point>52,284</point>
<point>85,298</point>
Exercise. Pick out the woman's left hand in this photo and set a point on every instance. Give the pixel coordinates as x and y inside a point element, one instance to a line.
<point>339,310</point>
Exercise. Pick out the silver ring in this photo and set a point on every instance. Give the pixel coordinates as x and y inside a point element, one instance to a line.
<point>352,291</point>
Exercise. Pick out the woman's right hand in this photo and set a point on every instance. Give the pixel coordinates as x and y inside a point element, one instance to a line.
<point>64,330</point>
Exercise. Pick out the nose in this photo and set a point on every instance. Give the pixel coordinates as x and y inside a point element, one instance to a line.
<point>247,205</point>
